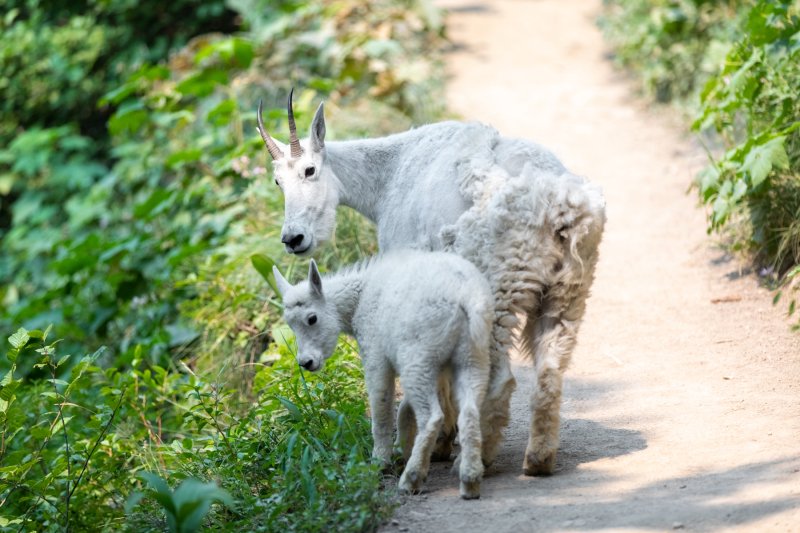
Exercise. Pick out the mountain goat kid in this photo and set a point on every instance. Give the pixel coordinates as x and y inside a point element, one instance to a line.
<point>420,315</point>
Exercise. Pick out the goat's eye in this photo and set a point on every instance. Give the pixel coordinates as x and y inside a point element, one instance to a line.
<point>276,183</point>
<point>309,171</point>
<point>312,319</point>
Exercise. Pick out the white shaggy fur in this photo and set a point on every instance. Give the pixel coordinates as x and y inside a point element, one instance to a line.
<point>421,315</point>
<point>507,205</point>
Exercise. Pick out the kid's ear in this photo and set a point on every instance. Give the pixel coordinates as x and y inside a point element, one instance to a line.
<point>314,279</point>
<point>283,285</point>
<point>318,129</point>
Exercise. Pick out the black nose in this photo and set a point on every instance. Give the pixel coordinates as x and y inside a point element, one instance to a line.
<point>308,364</point>
<point>293,241</point>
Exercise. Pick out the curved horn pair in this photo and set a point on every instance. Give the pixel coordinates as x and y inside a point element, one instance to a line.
<point>294,143</point>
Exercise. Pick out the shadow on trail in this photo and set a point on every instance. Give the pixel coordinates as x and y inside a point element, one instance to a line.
<point>582,440</point>
<point>580,497</point>
<point>703,501</point>
<point>474,7</point>
<point>585,441</point>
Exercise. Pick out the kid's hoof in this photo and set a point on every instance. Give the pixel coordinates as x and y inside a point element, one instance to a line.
<point>470,490</point>
<point>470,487</point>
<point>533,466</point>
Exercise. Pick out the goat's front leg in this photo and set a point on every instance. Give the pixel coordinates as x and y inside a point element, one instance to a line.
<point>380,389</point>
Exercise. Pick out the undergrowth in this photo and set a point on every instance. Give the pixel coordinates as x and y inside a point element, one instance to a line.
<point>735,66</point>
<point>143,243</point>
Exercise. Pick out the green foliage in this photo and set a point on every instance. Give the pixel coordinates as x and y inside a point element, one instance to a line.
<point>292,453</point>
<point>673,45</point>
<point>741,82</point>
<point>42,481</point>
<point>149,225</point>
<point>58,58</point>
<point>186,507</point>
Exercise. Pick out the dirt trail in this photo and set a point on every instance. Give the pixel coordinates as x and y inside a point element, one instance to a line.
<point>681,406</point>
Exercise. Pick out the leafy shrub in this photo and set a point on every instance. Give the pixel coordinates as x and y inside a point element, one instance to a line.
<point>58,58</point>
<point>149,252</point>
<point>186,506</point>
<point>112,252</point>
<point>295,455</point>
<point>673,45</point>
<point>741,80</point>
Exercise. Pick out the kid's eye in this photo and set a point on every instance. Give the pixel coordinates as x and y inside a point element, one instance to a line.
<point>309,171</point>
<point>312,319</point>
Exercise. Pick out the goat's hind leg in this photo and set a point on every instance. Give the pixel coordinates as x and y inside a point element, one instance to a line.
<point>380,389</point>
<point>471,388</point>
<point>497,404</point>
<point>551,335</point>
<point>447,435</point>
<point>421,393</point>
<point>406,429</point>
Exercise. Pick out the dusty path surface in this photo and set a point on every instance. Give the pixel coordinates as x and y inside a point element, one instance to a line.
<point>682,403</point>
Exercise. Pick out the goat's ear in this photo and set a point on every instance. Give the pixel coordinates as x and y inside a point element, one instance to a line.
<point>280,281</point>
<point>317,135</point>
<point>314,279</point>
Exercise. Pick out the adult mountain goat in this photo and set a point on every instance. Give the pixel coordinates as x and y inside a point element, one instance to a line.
<point>417,314</point>
<point>507,205</point>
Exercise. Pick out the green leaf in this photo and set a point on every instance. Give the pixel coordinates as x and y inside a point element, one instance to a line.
<point>202,83</point>
<point>5,522</point>
<point>133,501</point>
<point>7,388</point>
<point>7,379</point>
<point>761,159</point>
<point>193,499</point>
<point>721,209</point>
<point>263,265</point>
<point>222,112</point>
<point>161,493</point>
<point>180,335</point>
<point>294,411</point>
<point>129,118</point>
<point>283,336</point>
<point>157,200</point>
<point>739,190</point>
<point>39,432</point>
<point>19,339</point>
<point>156,482</point>
<point>184,156</point>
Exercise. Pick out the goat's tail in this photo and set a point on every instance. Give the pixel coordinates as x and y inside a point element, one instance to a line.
<point>480,317</point>
<point>575,214</point>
